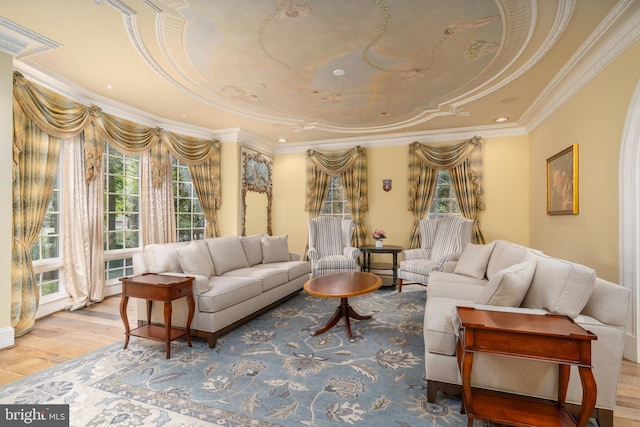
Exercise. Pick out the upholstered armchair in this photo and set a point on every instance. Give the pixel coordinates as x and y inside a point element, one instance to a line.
<point>330,249</point>
<point>442,240</point>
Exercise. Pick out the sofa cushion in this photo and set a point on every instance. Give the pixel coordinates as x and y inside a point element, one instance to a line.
<point>439,336</point>
<point>420,266</point>
<point>275,249</point>
<point>559,286</point>
<point>227,254</point>
<point>227,291</point>
<point>505,254</point>
<point>269,277</point>
<point>162,257</point>
<point>474,259</point>
<point>252,246</point>
<point>294,269</point>
<point>195,259</point>
<point>509,286</point>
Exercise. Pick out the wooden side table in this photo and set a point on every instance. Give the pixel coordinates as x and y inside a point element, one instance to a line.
<point>157,287</point>
<point>548,338</point>
<point>367,250</point>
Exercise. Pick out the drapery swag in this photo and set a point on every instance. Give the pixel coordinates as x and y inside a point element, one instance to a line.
<point>464,163</point>
<point>351,165</point>
<point>42,119</point>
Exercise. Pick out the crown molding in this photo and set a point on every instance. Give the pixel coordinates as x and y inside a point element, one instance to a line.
<point>21,42</point>
<point>64,87</point>
<point>433,136</point>
<point>617,32</point>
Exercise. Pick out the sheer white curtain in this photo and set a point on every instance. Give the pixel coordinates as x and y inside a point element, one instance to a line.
<point>82,210</point>
<point>157,213</point>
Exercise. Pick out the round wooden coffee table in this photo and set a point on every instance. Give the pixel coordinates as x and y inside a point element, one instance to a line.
<point>342,285</point>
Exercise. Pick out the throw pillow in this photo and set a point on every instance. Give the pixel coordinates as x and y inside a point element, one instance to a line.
<point>227,254</point>
<point>162,257</point>
<point>509,286</point>
<point>195,259</point>
<point>559,286</point>
<point>252,246</point>
<point>474,259</point>
<point>275,249</point>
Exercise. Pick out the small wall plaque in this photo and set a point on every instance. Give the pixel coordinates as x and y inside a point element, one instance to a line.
<point>386,184</point>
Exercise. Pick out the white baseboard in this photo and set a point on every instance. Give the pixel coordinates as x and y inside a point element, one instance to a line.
<point>7,337</point>
<point>631,348</point>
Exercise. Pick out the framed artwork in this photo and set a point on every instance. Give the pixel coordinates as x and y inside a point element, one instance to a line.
<point>562,182</point>
<point>256,191</point>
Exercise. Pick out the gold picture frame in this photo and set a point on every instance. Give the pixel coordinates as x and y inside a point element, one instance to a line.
<point>562,182</point>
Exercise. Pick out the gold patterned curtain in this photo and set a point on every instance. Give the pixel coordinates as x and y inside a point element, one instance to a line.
<point>351,165</point>
<point>207,186</point>
<point>464,163</point>
<point>60,117</point>
<point>35,157</point>
<point>423,182</point>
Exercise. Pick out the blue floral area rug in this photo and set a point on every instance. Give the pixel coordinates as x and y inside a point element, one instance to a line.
<point>268,372</point>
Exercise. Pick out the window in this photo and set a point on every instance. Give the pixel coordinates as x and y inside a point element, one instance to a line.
<point>189,217</point>
<point>122,211</point>
<point>335,202</point>
<point>444,201</point>
<point>46,251</point>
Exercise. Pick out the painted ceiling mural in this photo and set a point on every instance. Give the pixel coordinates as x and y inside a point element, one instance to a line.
<point>311,62</point>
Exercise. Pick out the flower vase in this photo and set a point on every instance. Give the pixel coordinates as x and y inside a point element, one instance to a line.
<point>378,243</point>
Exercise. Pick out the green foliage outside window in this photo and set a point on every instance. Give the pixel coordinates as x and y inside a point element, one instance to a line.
<point>444,201</point>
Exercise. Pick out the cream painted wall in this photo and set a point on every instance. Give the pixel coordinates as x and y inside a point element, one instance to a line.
<point>229,213</point>
<point>506,174</point>
<point>506,180</point>
<point>6,133</point>
<point>288,214</point>
<point>594,120</point>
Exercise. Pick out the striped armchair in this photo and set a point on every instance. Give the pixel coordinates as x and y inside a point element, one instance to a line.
<point>442,240</point>
<point>330,249</point>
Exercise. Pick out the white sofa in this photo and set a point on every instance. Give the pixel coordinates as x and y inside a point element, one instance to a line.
<point>504,276</point>
<point>236,278</point>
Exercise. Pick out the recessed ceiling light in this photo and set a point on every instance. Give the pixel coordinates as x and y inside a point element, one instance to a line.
<point>501,119</point>
<point>339,73</point>
<point>109,86</point>
<point>184,116</point>
<point>282,139</point>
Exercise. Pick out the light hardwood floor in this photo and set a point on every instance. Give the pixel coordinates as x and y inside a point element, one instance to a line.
<point>65,335</point>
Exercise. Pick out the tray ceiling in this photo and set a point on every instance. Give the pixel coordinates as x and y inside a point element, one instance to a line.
<point>306,69</point>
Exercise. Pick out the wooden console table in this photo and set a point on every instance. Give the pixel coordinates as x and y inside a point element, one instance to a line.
<point>157,287</point>
<point>548,338</point>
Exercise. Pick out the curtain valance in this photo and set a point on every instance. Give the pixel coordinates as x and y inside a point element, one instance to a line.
<point>443,157</point>
<point>463,160</point>
<point>351,165</point>
<point>336,162</point>
<point>64,118</point>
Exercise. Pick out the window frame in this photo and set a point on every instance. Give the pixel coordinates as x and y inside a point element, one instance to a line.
<point>196,209</point>
<point>440,185</point>
<point>335,186</point>
<point>126,253</point>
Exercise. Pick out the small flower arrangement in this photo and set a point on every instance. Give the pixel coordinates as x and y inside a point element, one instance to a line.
<point>379,234</point>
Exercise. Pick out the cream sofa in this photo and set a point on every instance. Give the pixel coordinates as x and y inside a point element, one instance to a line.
<point>236,278</point>
<point>505,276</point>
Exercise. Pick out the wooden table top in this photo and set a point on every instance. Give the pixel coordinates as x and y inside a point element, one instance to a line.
<point>156,279</point>
<point>534,324</point>
<point>384,249</point>
<point>343,285</point>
